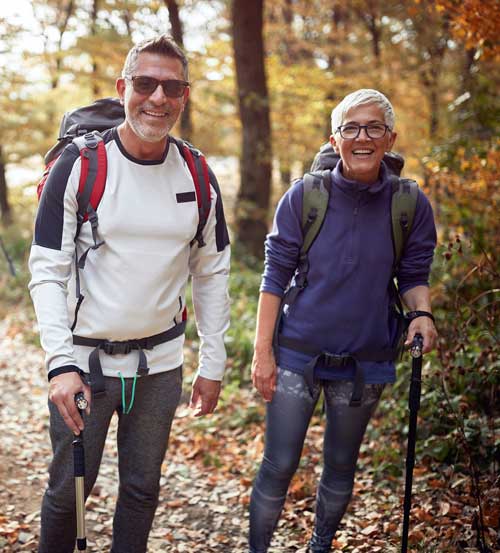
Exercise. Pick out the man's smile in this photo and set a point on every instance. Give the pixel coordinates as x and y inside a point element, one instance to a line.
<point>158,114</point>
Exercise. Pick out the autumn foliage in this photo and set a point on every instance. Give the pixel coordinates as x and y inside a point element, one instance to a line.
<point>475,23</point>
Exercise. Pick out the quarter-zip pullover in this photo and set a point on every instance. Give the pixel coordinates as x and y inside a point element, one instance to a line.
<point>345,305</point>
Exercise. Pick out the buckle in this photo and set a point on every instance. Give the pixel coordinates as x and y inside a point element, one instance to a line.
<point>115,348</point>
<point>336,359</point>
<point>90,140</point>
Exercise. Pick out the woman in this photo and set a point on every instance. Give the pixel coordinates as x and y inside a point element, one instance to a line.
<point>343,308</point>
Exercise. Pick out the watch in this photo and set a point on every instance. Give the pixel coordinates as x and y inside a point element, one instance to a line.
<point>415,314</point>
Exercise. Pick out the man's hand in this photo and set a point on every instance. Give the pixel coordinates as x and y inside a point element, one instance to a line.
<point>62,391</point>
<point>425,327</point>
<point>264,373</point>
<point>204,396</point>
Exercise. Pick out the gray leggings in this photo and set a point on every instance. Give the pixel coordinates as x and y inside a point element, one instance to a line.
<point>287,419</point>
<point>142,442</point>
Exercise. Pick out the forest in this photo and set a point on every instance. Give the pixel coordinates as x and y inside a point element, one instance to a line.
<point>265,76</point>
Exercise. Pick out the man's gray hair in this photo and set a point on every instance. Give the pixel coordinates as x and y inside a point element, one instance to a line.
<point>362,97</point>
<point>163,45</point>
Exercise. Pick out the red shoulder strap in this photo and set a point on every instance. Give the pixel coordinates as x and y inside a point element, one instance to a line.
<point>45,176</point>
<point>99,183</point>
<point>198,168</point>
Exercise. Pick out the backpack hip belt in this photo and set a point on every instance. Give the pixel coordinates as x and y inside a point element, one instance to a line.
<point>123,347</point>
<point>331,360</point>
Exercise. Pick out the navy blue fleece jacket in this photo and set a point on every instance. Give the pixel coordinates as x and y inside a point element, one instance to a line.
<point>345,306</point>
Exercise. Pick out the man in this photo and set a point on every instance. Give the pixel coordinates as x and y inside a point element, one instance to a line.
<point>134,287</point>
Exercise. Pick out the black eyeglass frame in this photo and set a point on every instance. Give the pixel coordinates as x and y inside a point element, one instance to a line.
<point>164,84</point>
<point>387,128</point>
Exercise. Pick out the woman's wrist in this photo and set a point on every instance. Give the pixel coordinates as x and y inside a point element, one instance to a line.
<point>263,346</point>
<point>419,313</point>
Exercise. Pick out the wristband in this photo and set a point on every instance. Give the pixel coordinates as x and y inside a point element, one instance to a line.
<point>415,314</point>
<point>63,370</point>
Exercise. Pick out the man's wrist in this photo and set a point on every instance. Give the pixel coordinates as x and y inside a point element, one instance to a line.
<point>210,375</point>
<point>63,370</point>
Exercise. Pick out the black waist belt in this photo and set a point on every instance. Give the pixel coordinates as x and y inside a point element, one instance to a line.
<point>116,348</point>
<point>331,360</point>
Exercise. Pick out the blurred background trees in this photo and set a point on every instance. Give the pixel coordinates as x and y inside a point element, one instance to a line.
<point>265,76</point>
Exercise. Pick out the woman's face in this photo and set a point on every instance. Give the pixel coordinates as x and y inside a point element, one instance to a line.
<point>361,156</point>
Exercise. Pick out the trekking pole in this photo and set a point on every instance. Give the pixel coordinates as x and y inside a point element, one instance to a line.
<point>414,405</point>
<point>7,257</point>
<point>79,473</point>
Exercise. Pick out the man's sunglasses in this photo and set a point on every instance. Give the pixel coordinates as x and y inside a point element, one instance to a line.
<point>147,85</point>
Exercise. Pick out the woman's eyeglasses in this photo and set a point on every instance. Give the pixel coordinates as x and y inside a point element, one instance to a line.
<point>147,85</point>
<point>350,131</point>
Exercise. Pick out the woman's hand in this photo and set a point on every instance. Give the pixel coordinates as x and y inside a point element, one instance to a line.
<point>418,299</point>
<point>425,327</point>
<point>264,372</point>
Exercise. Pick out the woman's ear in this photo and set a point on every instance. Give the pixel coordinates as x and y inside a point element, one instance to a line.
<point>392,139</point>
<point>333,142</point>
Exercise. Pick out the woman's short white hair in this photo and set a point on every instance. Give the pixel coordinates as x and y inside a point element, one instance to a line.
<point>362,97</point>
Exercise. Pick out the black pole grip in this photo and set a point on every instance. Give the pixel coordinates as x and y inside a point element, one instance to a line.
<point>81,402</point>
<point>78,457</point>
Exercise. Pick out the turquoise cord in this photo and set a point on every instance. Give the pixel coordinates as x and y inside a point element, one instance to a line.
<point>133,394</point>
<point>126,410</point>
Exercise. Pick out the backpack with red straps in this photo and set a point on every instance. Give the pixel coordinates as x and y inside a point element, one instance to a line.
<point>83,126</point>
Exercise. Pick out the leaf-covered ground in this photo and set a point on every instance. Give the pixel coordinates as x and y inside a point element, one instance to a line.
<point>207,477</point>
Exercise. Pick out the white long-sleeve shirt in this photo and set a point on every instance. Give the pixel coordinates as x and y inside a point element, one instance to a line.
<point>134,284</point>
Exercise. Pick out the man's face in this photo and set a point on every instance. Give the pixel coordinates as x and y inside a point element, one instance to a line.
<point>152,116</point>
<point>362,156</point>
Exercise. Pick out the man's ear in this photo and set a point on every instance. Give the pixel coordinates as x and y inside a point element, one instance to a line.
<point>333,142</point>
<point>120,88</point>
<point>185,98</point>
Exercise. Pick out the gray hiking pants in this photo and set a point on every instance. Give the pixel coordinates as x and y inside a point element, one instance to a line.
<point>142,441</point>
<point>288,416</point>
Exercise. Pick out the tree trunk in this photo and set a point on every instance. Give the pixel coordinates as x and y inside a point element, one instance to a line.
<point>5,211</point>
<point>370,17</point>
<point>177,34</point>
<point>255,160</point>
<point>96,89</point>
<point>66,11</point>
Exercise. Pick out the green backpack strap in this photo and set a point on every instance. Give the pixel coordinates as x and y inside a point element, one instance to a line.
<point>403,205</point>
<point>315,198</point>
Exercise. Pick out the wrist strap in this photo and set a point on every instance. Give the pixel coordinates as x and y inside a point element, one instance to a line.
<point>415,314</point>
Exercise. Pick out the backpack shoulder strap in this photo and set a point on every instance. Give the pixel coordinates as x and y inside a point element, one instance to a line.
<point>93,173</point>
<point>316,194</point>
<point>403,205</point>
<point>198,168</point>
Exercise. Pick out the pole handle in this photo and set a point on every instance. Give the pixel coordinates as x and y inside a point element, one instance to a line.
<point>80,401</point>
<point>417,346</point>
